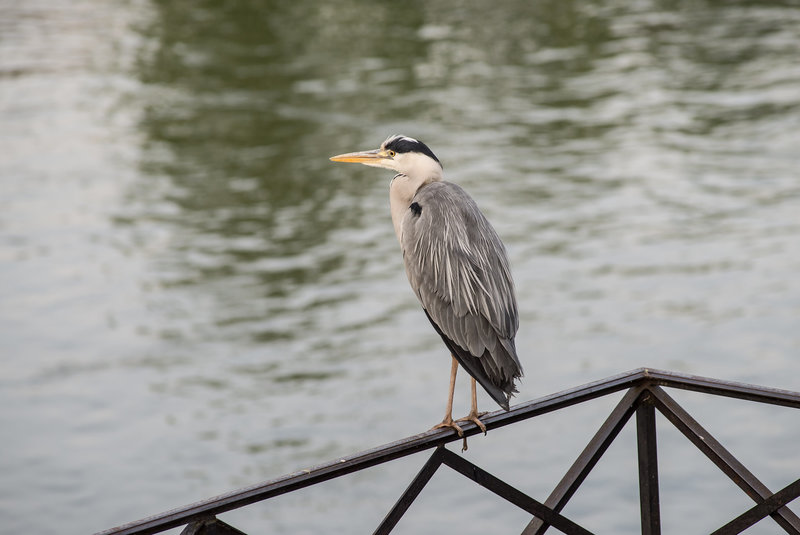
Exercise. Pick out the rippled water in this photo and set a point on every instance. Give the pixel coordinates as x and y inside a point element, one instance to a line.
<point>195,299</point>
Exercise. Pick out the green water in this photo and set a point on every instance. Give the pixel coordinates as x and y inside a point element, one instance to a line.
<point>193,298</point>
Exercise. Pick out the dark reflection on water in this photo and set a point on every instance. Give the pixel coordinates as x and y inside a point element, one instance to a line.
<point>233,118</point>
<point>222,304</point>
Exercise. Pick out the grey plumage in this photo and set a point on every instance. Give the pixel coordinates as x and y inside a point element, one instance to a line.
<point>457,266</point>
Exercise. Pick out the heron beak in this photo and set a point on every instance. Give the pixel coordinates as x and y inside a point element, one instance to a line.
<point>367,157</point>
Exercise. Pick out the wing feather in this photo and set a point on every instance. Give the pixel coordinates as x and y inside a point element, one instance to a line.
<point>458,268</point>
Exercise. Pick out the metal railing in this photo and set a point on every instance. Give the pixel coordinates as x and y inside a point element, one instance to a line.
<point>645,395</point>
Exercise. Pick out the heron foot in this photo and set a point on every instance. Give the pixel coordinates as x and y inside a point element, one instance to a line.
<point>474,417</point>
<point>448,422</point>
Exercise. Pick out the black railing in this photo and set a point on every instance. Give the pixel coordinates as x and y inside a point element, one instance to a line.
<point>644,396</point>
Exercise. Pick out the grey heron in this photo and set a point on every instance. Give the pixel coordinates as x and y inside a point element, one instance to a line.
<point>457,267</point>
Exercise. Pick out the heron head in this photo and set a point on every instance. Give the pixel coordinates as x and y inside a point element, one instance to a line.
<point>402,154</point>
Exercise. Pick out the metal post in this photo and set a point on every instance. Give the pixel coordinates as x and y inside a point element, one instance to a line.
<point>648,467</point>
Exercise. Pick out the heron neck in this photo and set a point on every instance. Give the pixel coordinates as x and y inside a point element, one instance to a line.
<point>401,194</point>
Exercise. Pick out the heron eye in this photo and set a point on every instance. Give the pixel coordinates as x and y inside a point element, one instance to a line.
<point>392,153</point>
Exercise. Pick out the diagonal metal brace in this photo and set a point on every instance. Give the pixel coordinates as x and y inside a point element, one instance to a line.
<point>721,457</point>
<point>588,458</point>
<point>762,509</point>
<point>410,494</point>
<point>511,494</point>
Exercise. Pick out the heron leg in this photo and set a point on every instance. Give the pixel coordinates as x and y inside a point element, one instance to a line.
<point>448,417</point>
<point>474,415</point>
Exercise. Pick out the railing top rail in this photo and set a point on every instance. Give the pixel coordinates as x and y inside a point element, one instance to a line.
<point>433,438</point>
<point>718,387</point>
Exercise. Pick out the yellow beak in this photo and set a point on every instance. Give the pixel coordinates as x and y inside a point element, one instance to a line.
<point>368,157</point>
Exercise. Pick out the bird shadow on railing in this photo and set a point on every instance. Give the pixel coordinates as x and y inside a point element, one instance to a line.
<point>645,394</point>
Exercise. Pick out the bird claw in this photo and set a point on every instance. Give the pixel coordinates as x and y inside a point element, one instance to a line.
<point>474,417</point>
<point>448,422</point>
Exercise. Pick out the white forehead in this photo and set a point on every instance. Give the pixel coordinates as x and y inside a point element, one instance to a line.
<point>398,137</point>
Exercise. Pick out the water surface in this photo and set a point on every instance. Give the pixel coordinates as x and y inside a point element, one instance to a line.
<point>195,299</point>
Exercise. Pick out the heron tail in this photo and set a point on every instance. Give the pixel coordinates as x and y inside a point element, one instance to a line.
<point>475,366</point>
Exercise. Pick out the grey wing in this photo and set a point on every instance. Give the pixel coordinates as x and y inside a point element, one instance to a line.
<point>458,268</point>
